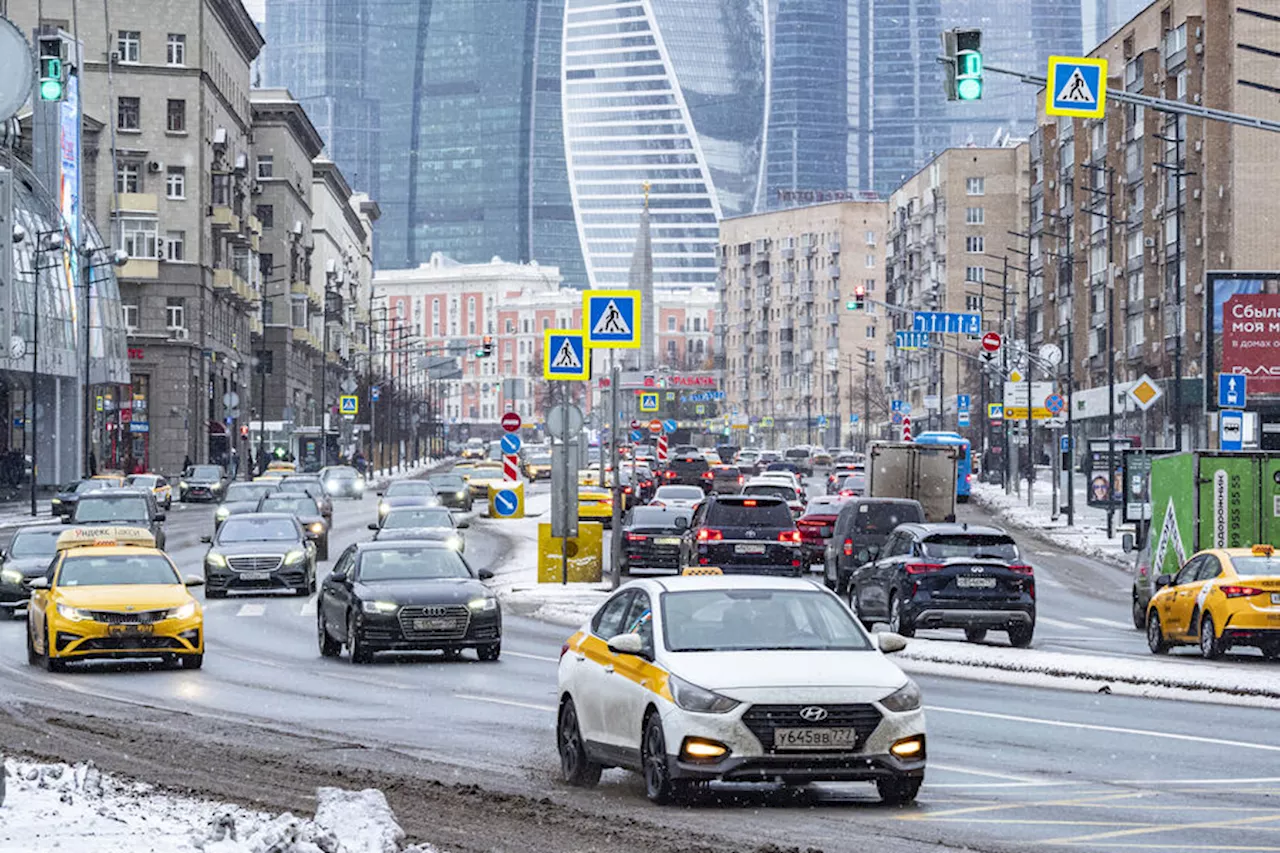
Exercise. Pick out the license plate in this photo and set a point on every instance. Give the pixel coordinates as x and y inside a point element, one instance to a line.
<point>254,576</point>
<point>667,540</point>
<point>128,630</point>
<point>975,583</point>
<point>434,624</point>
<point>819,739</point>
<point>748,549</point>
<point>1275,598</point>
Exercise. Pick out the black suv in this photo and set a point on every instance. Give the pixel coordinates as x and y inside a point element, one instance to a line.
<point>120,508</point>
<point>688,469</point>
<point>863,524</point>
<point>948,576</point>
<point>743,534</point>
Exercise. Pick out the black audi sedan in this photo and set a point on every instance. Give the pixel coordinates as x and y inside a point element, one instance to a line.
<point>407,596</point>
<point>650,539</point>
<point>28,556</point>
<point>305,508</point>
<point>259,553</point>
<point>422,522</point>
<point>64,502</point>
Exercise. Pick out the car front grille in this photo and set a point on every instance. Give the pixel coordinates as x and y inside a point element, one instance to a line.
<point>455,619</point>
<point>255,563</point>
<point>106,644</point>
<point>117,617</point>
<point>762,720</point>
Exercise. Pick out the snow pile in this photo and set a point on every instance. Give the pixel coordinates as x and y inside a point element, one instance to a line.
<point>59,806</point>
<point>1087,537</point>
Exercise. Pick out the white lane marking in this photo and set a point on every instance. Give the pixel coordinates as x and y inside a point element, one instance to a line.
<point>251,610</point>
<point>1092,727</point>
<point>310,607</point>
<point>1046,553</point>
<point>1058,623</point>
<point>951,768</point>
<point>530,657</point>
<point>1109,623</point>
<point>473,698</point>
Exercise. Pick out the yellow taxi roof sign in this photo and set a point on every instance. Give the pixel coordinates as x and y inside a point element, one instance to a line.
<point>100,537</point>
<point>689,571</point>
<point>281,466</point>
<point>1263,550</point>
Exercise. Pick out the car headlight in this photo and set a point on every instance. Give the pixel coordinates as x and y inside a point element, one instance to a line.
<point>73,614</point>
<point>12,576</point>
<point>331,488</point>
<point>294,557</point>
<point>217,487</point>
<point>185,611</point>
<point>213,558</point>
<point>359,485</point>
<point>483,604</point>
<point>317,527</point>
<point>223,513</point>
<point>905,698</point>
<point>383,509</point>
<point>454,542</point>
<point>380,607</point>
<point>460,495</point>
<point>182,484</point>
<point>690,697</point>
<point>57,500</point>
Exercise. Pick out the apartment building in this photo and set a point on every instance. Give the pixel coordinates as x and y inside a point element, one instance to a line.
<point>791,340</point>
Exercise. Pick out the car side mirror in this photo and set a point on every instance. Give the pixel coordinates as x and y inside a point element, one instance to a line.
<point>824,532</point>
<point>338,576</point>
<point>485,575</point>
<point>889,642</point>
<point>160,516</point>
<point>1164,580</point>
<point>464,524</point>
<point>193,580</point>
<point>379,494</point>
<point>627,644</point>
<point>66,519</point>
<point>682,523</point>
<point>207,540</point>
<point>38,583</point>
<point>1126,543</point>
<point>373,525</point>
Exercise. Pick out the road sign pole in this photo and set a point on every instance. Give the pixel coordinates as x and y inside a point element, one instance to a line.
<point>615,379</point>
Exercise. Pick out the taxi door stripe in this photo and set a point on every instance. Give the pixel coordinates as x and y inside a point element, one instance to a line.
<point>648,675</point>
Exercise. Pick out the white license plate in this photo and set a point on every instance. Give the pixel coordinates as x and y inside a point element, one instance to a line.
<point>975,583</point>
<point>254,576</point>
<point>667,540</point>
<point>437,624</point>
<point>1275,598</point>
<point>814,738</point>
<point>748,549</point>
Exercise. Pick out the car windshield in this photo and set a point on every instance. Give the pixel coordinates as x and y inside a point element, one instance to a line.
<point>1252,567</point>
<point>448,483</point>
<point>299,484</point>
<point>142,481</point>
<point>91,486</point>
<point>970,545</point>
<point>724,620</point>
<point>400,564</point>
<point>414,488</point>
<point>34,543</point>
<point>248,491</point>
<point>748,513</point>
<point>879,518</point>
<point>401,519</point>
<point>340,474</point>
<point>296,504</point>
<point>249,529</point>
<point>540,460</point>
<point>773,490</point>
<point>679,493</point>
<point>205,472</point>
<point>655,517</point>
<point>117,569</point>
<point>112,509</point>
<point>796,453</point>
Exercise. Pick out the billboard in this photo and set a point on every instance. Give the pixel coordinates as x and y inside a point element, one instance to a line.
<point>1243,334</point>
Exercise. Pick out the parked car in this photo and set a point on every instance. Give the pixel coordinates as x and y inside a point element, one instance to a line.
<point>743,534</point>
<point>862,526</point>
<point>650,539</point>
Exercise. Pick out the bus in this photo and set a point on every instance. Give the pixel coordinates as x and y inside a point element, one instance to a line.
<point>964,467</point>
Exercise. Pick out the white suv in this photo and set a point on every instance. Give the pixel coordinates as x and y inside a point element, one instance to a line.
<point>736,679</point>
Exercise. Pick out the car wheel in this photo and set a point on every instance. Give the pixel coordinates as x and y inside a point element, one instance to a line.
<point>899,790</point>
<point>329,647</point>
<point>51,663</point>
<point>659,787</point>
<point>1271,651</point>
<point>575,767</point>
<point>899,623</point>
<point>1020,635</point>
<point>1139,613</point>
<point>489,652</point>
<point>355,645</point>
<point>975,635</point>
<point>1211,647</point>
<point>1155,636</point>
<point>191,661</point>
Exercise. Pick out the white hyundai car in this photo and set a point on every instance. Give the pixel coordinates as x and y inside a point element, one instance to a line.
<point>692,680</point>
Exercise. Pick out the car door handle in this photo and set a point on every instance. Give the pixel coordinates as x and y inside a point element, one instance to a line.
<point>608,670</point>
<point>580,656</point>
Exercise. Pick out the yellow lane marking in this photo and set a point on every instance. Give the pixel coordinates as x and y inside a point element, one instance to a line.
<point>1174,827</point>
<point>1007,806</point>
<point>1213,848</point>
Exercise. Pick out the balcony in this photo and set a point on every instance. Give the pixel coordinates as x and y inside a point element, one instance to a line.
<point>299,287</point>
<point>140,268</point>
<point>834,247</point>
<point>255,325</point>
<point>834,294</point>
<point>136,203</point>
<point>833,271</point>
<point>304,337</point>
<point>833,319</point>
<point>788,253</point>
<point>225,218</point>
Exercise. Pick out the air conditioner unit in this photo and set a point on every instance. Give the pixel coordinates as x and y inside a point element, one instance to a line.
<point>220,137</point>
<point>180,334</point>
<point>297,228</point>
<point>242,163</point>
<point>154,166</point>
<point>1199,144</point>
<point>331,266</point>
<point>1153,302</point>
<point>1199,49</point>
<point>1195,193</point>
<point>1198,242</point>
<point>256,189</point>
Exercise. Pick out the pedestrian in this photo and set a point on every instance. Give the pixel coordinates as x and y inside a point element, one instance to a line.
<point>186,462</point>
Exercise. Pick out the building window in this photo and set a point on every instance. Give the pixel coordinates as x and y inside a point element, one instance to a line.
<point>128,113</point>
<point>871,238</point>
<point>870,262</point>
<point>975,186</point>
<point>175,245</point>
<point>266,215</point>
<point>869,284</point>
<point>175,182</point>
<point>973,303</point>
<point>671,324</point>
<point>129,46</point>
<point>176,116</point>
<point>176,49</point>
<point>138,237</point>
<point>266,166</point>
<point>975,274</point>
<point>128,178</point>
<point>974,216</point>
<point>871,331</point>
<point>130,316</point>
<point>175,313</point>
<point>298,313</point>
<point>974,244</point>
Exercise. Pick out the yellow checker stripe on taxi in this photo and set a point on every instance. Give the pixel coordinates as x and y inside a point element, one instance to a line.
<point>648,675</point>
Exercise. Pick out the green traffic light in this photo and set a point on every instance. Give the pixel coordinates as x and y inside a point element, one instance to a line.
<point>50,90</point>
<point>969,90</point>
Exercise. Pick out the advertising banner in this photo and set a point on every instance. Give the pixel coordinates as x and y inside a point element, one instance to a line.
<point>1244,318</point>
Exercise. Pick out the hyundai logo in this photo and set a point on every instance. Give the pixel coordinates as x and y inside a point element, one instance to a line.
<point>813,714</point>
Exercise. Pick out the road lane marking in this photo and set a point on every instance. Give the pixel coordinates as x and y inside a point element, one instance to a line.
<point>1058,623</point>
<point>251,610</point>
<point>1110,623</point>
<point>511,654</point>
<point>510,702</point>
<point>1209,848</point>
<point>951,768</point>
<point>309,608</point>
<point>1176,827</point>
<point>1092,727</point>
<point>997,807</point>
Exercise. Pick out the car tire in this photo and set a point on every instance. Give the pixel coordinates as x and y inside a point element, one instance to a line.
<point>490,652</point>
<point>659,787</point>
<point>975,635</point>
<point>899,622</point>
<point>1271,651</point>
<point>355,645</point>
<point>51,663</point>
<point>322,553</point>
<point>1020,635</point>
<point>575,767</point>
<point>899,790</point>
<point>1138,612</point>
<point>1155,636</point>
<point>329,647</point>
<point>191,661</point>
<point>1211,646</point>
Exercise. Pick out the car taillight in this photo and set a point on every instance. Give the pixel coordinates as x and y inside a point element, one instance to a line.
<point>637,537</point>
<point>707,475</point>
<point>741,479</point>
<point>968,478</point>
<point>1023,570</point>
<point>750,503</point>
<point>646,484</point>
<point>708,534</point>
<point>626,490</point>
<point>670,475</point>
<point>1240,591</point>
<point>789,536</point>
<point>846,493</point>
<point>923,568</point>
<point>848,547</point>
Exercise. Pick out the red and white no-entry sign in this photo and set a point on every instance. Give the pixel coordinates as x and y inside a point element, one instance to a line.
<point>991,342</point>
<point>655,426</point>
<point>906,429</point>
<point>511,422</point>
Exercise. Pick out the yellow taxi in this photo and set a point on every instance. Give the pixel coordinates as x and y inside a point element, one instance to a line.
<point>154,483</point>
<point>537,467</point>
<point>595,504</point>
<point>485,476</point>
<point>282,466</point>
<point>1221,598</point>
<point>591,476</point>
<point>116,478</point>
<point>111,593</point>
<point>464,469</point>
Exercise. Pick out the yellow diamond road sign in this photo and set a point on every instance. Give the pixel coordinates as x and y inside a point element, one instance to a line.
<point>1015,376</point>
<point>1144,393</point>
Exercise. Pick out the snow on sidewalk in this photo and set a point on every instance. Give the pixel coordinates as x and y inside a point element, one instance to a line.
<point>1087,537</point>
<point>65,807</point>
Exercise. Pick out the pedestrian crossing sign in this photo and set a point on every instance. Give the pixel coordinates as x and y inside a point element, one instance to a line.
<point>649,402</point>
<point>611,318</point>
<point>349,404</point>
<point>1076,87</point>
<point>565,354</point>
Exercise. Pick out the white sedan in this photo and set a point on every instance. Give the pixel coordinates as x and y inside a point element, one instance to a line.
<point>692,680</point>
<point>678,497</point>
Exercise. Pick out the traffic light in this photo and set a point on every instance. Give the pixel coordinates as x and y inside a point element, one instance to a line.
<point>486,347</point>
<point>859,301</point>
<point>963,53</point>
<point>244,432</point>
<point>53,71</point>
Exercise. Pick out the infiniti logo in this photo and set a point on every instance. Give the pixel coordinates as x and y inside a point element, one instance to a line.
<point>977,569</point>
<point>813,714</point>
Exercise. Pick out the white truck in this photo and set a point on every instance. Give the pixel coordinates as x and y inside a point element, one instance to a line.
<point>922,472</point>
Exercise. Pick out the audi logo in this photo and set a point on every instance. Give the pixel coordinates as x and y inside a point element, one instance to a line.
<point>813,714</point>
<point>435,611</point>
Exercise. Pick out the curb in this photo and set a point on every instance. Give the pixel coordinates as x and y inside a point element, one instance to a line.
<point>1038,533</point>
